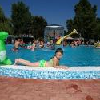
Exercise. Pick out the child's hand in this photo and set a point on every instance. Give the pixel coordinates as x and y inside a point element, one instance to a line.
<point>62,67</point>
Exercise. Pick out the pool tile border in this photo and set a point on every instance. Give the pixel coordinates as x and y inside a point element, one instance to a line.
<point>50,73</point>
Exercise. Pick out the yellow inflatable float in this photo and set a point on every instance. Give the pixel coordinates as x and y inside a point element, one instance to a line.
<point>97,45</point>
<point>61,39</point>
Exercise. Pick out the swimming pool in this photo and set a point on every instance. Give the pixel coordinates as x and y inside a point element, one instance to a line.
<point>73,57</point>
<point>83,63</point>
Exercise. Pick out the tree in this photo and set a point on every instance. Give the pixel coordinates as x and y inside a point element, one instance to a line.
<point>85,19</point>
<point>2,16</point>
<point>38,24</point>
<point>70,25</point>
<point>5,23</point>
<point>24,23</point>
<point>97,30</point>
<point>20,18</point>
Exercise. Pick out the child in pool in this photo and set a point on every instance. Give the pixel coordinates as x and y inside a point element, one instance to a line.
<point>16,45</point>
<point>54,61</point>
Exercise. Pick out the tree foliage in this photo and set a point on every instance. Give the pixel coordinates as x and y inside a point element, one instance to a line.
<point>24,23</point>
<point>38,24</point>
<point>5,24</point>
<point>85,20</point>
<point>20,17</point>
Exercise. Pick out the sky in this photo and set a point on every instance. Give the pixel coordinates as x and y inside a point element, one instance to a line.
<point>54,11</point>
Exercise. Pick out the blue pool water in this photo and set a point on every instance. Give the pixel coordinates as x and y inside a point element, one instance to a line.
<point>78,56</point>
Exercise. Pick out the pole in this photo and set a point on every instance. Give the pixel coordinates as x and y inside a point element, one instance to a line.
<point>54,38</point>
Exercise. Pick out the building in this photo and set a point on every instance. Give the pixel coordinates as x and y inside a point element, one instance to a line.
<point>53,32</point>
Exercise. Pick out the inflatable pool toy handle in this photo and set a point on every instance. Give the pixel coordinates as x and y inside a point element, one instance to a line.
<point>3,57</point>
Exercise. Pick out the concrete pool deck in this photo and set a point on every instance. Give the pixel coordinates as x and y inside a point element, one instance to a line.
<point>49,89</point>
<point>37,89</point>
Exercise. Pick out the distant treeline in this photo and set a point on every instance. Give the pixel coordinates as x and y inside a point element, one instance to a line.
<point>23,23</point>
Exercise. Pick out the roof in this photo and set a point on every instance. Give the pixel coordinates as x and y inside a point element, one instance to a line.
<point>54,26</point>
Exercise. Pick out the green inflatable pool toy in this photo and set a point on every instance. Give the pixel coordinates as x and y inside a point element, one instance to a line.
<point>3,57</point>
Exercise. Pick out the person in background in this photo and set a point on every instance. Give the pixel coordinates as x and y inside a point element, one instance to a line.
<point>22,44</point>
<point>72,44</point>
<point>48,44</point>
<point>16,45</point>
<point>33,46</point>
<point>41,44</point>
<point>64,43</point>
<point>52,45</point>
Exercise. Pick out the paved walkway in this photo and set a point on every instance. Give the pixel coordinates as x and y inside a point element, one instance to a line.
<point>35,89</point>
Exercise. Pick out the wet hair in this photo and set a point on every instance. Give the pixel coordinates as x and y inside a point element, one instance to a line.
<point>59,50</point>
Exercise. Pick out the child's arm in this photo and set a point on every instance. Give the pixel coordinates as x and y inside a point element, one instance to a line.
<point>56,65</point>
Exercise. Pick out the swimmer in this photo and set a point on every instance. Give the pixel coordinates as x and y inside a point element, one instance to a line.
<point>16,45</point>
<point>22,44</point>
<point>53,62</point>
<point>41,44</point>
<point>52,45</point>
<point>32,46</point>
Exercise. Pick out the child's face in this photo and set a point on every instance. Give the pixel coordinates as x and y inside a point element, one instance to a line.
<point>59,55</point>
